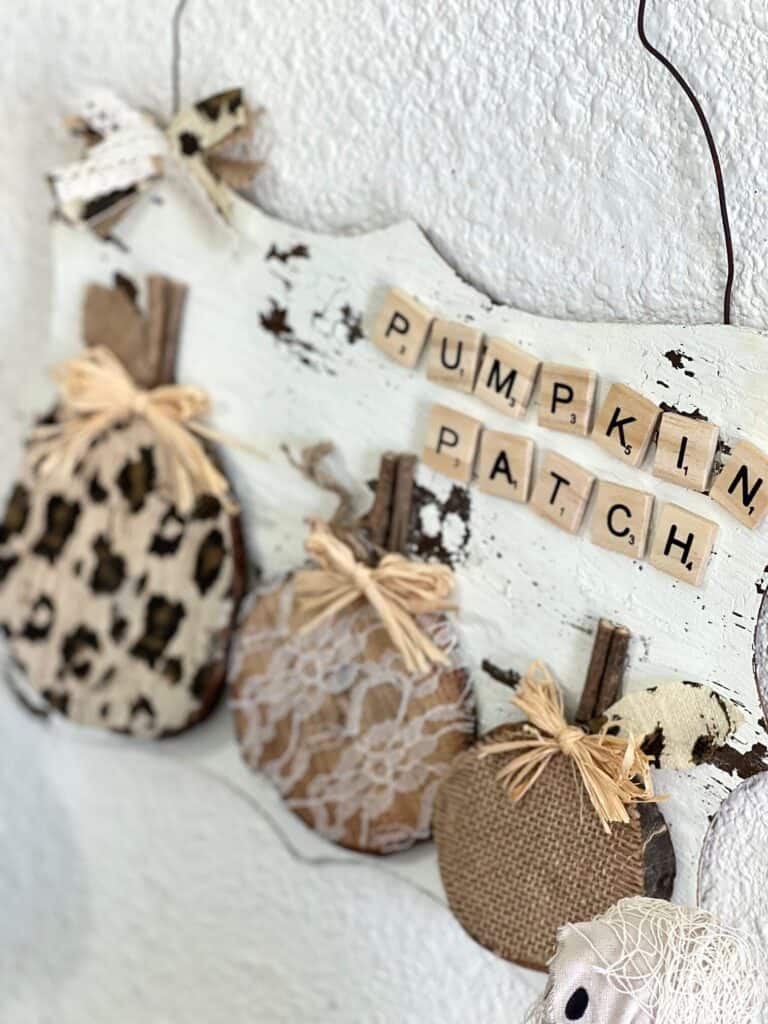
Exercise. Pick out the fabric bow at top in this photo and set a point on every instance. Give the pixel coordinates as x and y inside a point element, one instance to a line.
<point>97,392</point>
<point>128,150</point>
<point>397,588</point>
<point>615,772</point>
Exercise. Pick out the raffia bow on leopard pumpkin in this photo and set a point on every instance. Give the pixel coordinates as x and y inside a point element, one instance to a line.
<point>349,692</point>
<point>127,151</point>
<point>121,557</point>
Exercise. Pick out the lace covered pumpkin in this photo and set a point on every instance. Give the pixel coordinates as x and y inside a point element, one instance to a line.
<point>356,745</point>
<point>355,740</point>
<point>118,608</point>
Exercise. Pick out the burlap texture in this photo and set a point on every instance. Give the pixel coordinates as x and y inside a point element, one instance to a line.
<point>514,873</point>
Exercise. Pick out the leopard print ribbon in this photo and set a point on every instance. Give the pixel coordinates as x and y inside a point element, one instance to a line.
<point>129,150</point>
<point>397,588</point>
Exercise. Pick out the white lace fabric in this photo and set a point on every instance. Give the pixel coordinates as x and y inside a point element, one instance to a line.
<point>356,745</point>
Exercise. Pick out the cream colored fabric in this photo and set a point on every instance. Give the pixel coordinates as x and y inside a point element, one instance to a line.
<point>679,724</point>
<point>117,608</point>
<point>649,962</point>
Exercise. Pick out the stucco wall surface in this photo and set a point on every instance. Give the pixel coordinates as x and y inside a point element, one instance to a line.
<point>555,166</point>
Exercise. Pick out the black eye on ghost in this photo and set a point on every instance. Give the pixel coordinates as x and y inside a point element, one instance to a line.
<point>577,1005</point>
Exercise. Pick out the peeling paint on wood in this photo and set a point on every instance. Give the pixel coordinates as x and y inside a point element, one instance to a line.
<point>279,373</point>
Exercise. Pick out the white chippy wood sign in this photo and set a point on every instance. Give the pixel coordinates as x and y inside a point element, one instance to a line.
<point>278,330</point>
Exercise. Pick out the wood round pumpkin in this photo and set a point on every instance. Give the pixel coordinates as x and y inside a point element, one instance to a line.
<point>356,744</point>
<point>118,610</point>
<point>515,872</point>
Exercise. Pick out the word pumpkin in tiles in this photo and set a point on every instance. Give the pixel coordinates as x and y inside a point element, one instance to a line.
<point>350,693</point>
<point>625,423</point>
<point>121,562</point>
<point>544,823</point>
<point>647,962</point>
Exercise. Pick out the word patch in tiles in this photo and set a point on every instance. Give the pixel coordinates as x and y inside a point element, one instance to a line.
<point>626,425</point>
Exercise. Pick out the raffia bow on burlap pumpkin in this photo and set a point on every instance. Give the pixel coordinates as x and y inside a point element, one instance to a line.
<point>613,769</point>
<point>541,823</point>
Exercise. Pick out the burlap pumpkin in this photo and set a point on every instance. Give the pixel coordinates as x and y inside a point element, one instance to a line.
<point>355,743</point>
<point>118,608</point>
<point>515,872</point>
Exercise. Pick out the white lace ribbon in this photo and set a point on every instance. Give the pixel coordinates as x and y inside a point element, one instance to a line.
<point>129,150</point>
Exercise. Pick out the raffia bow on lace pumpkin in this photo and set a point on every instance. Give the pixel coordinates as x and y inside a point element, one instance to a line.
<point>354,715</point>
<point>540,824</point>
<point>128,150</point>
<point>121,564</point>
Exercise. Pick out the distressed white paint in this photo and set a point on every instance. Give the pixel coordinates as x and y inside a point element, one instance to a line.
<point>551,161</point>
<point>527,590</point>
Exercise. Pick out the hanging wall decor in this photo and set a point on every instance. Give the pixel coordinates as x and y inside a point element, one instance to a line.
<point>646,962</point>
<point>121,559</point>
<point>350,692</point>
<point>542,823</point>
<point>287,324</point>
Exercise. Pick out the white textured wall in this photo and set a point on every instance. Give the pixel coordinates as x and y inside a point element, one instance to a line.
<point>550,160</point>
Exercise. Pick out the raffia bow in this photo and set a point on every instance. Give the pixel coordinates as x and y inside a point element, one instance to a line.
<point>397,588</point>
<point>97,392</point>
<point>128,150</point>
<point>614,770</point>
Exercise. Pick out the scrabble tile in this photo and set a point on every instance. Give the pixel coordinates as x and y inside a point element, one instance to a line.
<point>682,544</point>
<point>507,377</point>
<point>742,487</point>
<point>567,398</point>
<point>621,519</point>
<point>561,492</point>
<point>505,465</point>
<point>401,328</point>
<point>451,443</point>
<point>454,353</point>
<point>625,424</point>
<point>685,451</point>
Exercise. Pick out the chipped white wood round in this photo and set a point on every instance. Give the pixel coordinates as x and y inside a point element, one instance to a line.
<point>276,331</point>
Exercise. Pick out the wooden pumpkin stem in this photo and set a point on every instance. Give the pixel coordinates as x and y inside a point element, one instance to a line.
<point>606,671</point>
<point>389,519</point>
<point>402,502</point>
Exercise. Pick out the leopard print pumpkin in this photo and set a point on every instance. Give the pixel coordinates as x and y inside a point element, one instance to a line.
<point>117,609</point>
